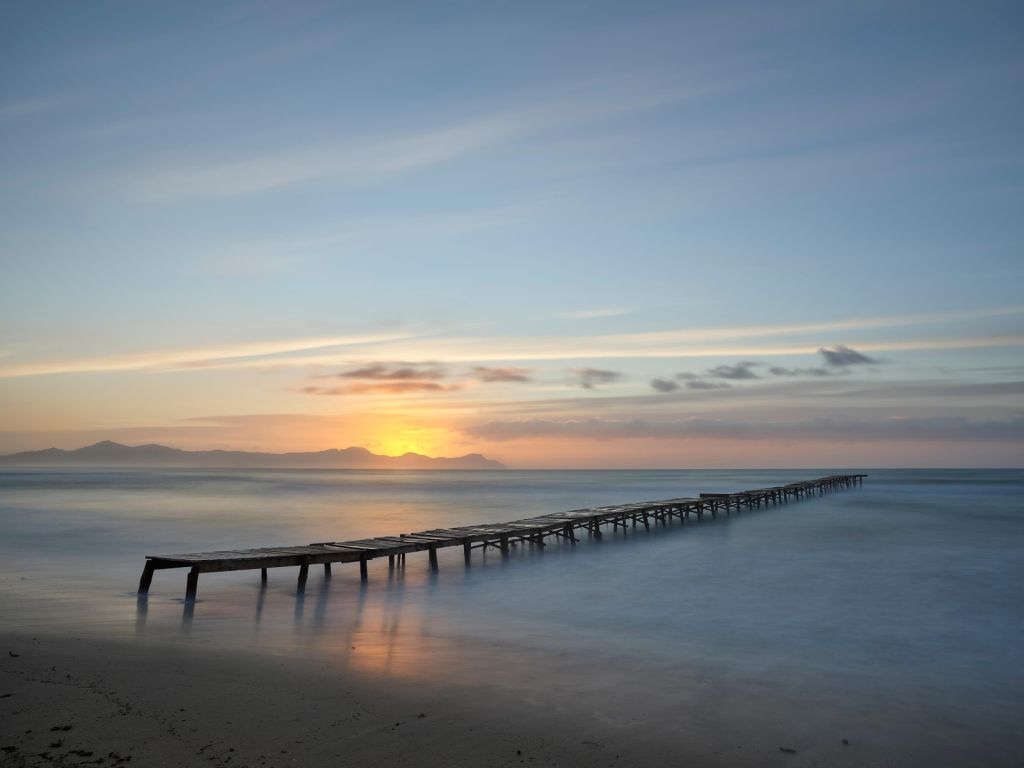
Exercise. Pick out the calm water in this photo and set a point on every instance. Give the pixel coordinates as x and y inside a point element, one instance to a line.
<point>904,594</point>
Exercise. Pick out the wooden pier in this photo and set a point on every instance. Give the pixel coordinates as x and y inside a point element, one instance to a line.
<point>501,536</point>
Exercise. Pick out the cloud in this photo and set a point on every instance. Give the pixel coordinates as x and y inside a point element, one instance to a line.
<point>590,378</point>
<point>776,370</point>
<point>953,428</point>
<point>710,342</point>
<point>369,158</point>
<point>354,160</point>
<point>493,375</point>
<point>741,370</point>
<point>382,387</point>
<point>705,384</point>
<point>381,372</point>
<point>387,378</point>
<point>244,354</point>
<point>841,356</point>
<point>664,385</point>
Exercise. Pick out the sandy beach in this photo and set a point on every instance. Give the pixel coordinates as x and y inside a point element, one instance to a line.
<point>69,701</point>
<point>79,701</point>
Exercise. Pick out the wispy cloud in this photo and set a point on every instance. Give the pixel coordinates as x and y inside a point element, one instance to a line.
<point>740,371</point>
<point>591,378</point>
<point>358,160</point>
<point>778,370</point>
<point>853,430</point>
<point>732,333</point>
<point>496,348</point>
<point>381,372</point>
<point>508,374</point>
<point>397,387</point>
<point>735,342</point>
<point>227,355</point>
<point>664,385</point>
<point>842,356</point>
<point>705,384</point>
<point>361,159</point>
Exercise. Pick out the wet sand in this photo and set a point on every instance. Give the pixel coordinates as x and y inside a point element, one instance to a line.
<point>81,701</point>
<point>74,701</point>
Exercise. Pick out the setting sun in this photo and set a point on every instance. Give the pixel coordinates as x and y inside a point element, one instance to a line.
<point>421,329</point>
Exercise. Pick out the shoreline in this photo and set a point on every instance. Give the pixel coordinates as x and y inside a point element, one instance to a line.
<point>168,704</point>
<point>157,703</point>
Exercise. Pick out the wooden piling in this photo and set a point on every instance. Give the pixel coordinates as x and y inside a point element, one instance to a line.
<point>192,584</point>
<point>532,530</point>
<point>147,577</point>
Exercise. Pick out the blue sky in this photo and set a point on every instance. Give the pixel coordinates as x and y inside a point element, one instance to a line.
<point>208,211</point>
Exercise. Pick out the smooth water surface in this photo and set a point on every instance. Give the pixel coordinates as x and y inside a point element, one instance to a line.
<point>905,591</point>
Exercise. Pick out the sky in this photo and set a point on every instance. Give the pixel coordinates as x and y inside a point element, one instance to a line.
<point>560,234</point>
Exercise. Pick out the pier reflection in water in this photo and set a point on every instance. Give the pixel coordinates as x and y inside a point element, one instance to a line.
<point>905,590</point>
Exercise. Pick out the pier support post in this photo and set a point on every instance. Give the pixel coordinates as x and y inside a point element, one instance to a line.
<point>192,584</point>
<point>433,558</point>
<point>263,575</point>
<point>467,548</point>
<point>391,562</point>
<point>303,575</point>
<point>147,578</point>
<point>363,575</point>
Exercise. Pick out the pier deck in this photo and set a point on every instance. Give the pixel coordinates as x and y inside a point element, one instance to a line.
<point>499,535</point>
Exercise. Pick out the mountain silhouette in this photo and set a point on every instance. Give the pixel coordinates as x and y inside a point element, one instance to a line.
<point>107,453</point>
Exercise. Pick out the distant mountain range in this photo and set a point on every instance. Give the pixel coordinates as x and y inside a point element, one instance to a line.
<point>110,454</point>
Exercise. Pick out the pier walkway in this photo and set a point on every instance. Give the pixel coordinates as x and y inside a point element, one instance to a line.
<point>499,535</point>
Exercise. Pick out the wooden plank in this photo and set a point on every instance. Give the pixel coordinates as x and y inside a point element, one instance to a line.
<point>498,534</point>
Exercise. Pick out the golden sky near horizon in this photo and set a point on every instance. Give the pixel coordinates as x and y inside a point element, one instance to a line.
<point>643,236</point>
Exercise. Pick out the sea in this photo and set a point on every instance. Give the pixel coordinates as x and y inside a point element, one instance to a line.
<point>891,612</point>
